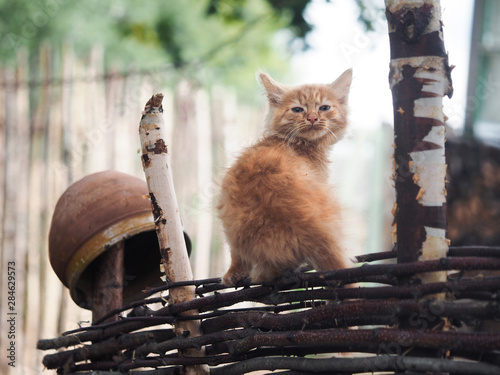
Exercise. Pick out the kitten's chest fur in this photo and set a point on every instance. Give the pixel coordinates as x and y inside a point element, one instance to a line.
<point>271,177</point>
<point>301,157</point>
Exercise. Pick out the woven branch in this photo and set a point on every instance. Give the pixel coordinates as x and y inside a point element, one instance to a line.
<point>453,251</point>
<point>160,371</point>
<point>335,314</point>
<point>405,338</point>
<point>110,346</point>
<point>380,363</point>
<point>97,333</point>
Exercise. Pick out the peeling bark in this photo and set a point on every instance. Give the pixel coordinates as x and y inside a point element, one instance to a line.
<point>419,78</point>
<point>174,256</point>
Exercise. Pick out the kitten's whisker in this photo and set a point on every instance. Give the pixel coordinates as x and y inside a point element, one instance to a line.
<point>289,135</point>
<point>330,131</point>
<point>293,134</point>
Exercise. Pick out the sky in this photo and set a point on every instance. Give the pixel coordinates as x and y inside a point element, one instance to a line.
<point>339,42</point>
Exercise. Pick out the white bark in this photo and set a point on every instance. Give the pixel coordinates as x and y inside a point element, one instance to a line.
<point>175,261</point>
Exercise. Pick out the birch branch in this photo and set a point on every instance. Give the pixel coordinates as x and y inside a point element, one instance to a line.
<point>174,256</point>
<point>419,78</point>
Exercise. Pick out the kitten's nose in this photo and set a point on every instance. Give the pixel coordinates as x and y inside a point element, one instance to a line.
<point>312,119</point>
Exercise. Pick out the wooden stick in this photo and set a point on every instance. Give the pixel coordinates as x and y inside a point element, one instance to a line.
<point>108,284</point>
<point>174,256</point>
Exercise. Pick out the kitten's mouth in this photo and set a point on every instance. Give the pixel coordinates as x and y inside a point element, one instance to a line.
<point>313,132</point>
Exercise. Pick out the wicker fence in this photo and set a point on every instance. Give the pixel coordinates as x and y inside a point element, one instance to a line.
<point>377,325</point>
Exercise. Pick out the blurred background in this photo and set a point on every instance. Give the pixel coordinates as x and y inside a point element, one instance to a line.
<point>75,76</point>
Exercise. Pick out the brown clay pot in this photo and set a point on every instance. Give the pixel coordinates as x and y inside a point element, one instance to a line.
<point>94,213</point>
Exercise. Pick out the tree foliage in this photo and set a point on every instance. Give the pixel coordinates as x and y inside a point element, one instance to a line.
<point>292,10</point>
<point>184,35</point>
<point>210,40</point>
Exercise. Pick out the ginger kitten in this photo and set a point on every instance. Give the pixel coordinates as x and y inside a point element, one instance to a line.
<point>276,206</point>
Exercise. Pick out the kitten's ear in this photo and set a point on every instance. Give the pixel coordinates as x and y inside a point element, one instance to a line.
<point>342,85</point>
<point>273,89</point>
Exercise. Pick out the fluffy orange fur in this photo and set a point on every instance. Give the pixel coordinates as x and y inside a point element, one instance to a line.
<point>277,208</point>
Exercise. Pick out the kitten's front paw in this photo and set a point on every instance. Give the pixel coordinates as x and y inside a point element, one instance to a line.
<point>235,279</point>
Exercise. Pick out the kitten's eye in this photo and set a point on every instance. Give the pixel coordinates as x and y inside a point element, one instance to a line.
<point>297,109</point>
<point>324,108</point>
